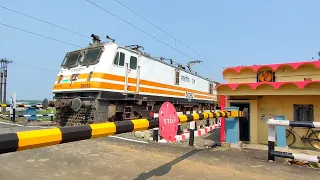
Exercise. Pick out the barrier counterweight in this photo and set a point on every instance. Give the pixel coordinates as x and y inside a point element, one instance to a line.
<point>272,138</point>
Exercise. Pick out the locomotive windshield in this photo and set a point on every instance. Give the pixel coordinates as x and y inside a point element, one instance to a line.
<point>91,57</point>
<point>72,59</point>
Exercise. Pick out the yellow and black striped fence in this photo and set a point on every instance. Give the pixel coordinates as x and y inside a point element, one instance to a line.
<point>23,105</point>
<point>24,140</point>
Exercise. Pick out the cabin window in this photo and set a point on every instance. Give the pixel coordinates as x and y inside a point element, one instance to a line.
<point>177,77</point>
<point>133,62</point>
<point>303,112</point>
<point>210,88</point>
<point>119,59</point>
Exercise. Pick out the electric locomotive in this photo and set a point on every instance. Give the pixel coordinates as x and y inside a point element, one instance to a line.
<point>108,82</point>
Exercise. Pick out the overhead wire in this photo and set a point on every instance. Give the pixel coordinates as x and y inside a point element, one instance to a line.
<point>35,67</point>
<point>38,34</point>
<point>88,36</point>
<point>44,21</point>
<point>140,29</point>
<point>145,32</point>
<point>166,32</point>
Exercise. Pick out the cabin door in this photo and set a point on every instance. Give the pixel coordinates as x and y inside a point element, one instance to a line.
<point>131,73</point>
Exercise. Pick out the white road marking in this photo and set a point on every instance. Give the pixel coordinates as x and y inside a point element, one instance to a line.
<point>129,139</point>
<point>20,125</point>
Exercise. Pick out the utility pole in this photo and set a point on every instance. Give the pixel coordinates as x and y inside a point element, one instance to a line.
<point>4,73</point>
<point>1,81</point>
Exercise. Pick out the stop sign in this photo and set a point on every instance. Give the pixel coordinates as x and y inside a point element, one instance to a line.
<point>168,121</point>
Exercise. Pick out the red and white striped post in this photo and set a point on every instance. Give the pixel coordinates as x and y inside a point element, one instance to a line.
<point>223,121</point>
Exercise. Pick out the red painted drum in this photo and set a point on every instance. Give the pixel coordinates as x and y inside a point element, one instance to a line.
<point>168,121</point>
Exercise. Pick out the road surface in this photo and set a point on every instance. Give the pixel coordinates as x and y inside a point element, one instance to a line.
<point>113,158</point>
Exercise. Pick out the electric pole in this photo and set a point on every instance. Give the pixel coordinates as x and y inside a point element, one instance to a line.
<point>3,80</point>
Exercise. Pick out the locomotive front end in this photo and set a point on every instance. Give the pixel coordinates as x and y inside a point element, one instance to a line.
<point>76,91</point>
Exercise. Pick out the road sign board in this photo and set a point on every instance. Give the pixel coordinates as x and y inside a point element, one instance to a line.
<point>168,121</point>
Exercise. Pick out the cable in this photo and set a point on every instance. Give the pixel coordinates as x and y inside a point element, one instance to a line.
<point>58,41</point>
<point>140,29</point>
<point>38,34</point>
<point>55,40</point>
<point>167,33</point>
<point>35,67</point>
<point>145,32</point>
<point>43,21</point>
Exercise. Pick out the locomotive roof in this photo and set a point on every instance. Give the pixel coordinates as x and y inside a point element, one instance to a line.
<point>150,57</point>
<point>155,59</point>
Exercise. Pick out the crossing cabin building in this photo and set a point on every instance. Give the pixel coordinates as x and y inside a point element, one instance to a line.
<point>291,90</point>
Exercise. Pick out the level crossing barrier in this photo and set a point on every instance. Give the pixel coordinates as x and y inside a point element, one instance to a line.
<point>272,123</point>
<point>31,109</point>
<point>38,106</point>
<point>18,141</point>
<point>32,115</point>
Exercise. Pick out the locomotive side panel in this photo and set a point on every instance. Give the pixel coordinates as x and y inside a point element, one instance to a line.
<point>170,81</point>
<point>197,87</point>
<point>156,78</point>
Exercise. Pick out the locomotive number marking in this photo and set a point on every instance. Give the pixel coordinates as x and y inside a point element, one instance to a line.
<point>189,95</point>
<point>86,85</point>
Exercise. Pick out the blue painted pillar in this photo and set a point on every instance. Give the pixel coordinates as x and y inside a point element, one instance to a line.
<point>281,133</point>
<point>31,111</point>
<point>232,127</point>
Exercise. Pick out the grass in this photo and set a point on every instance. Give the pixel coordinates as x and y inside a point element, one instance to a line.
<point>48,111</point>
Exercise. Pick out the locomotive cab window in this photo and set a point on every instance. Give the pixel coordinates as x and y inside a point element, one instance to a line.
<point>91,56</point>
<point>177,77</point>
<point>133,62</point>
<point>72,59</point>
<point>210,88</point>
<point>119,59</point>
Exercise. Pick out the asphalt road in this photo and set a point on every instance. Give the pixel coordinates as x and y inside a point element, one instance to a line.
<point>111,158</point>
<point>7,127</point>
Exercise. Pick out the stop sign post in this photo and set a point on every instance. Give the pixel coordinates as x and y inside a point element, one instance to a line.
<point>168,121</point>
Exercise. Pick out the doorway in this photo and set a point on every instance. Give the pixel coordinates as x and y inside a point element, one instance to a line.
<point>244,123</point>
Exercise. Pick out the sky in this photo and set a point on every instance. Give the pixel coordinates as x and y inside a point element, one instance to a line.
<point>219,33</point>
